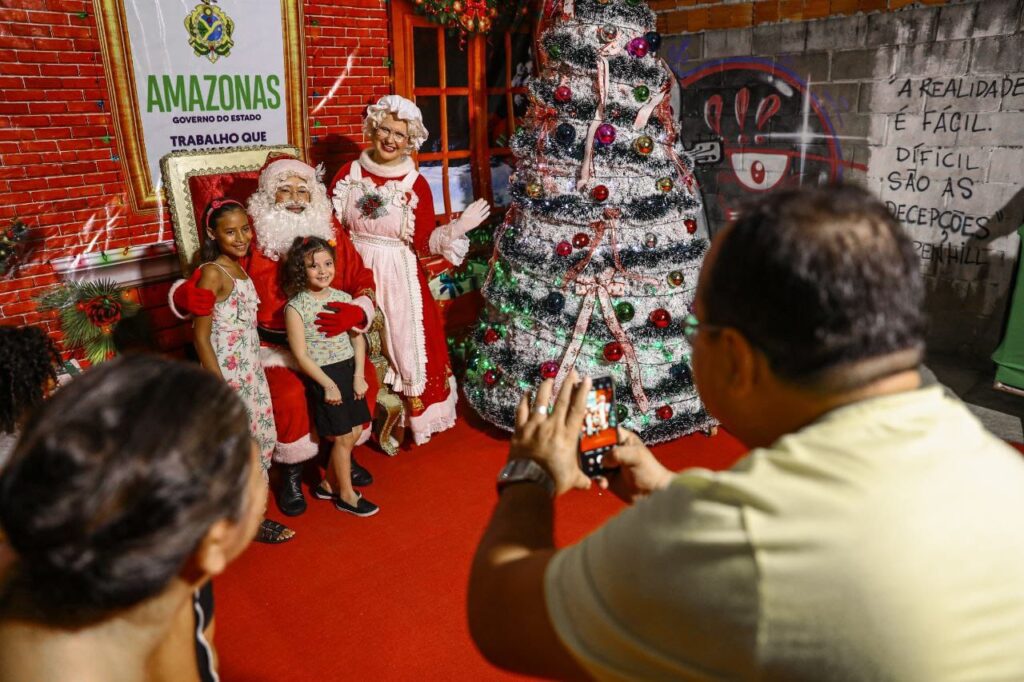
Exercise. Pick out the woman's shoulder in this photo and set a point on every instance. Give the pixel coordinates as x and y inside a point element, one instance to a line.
<point>342,173</point>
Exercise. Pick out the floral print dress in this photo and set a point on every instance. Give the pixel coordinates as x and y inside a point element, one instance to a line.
<point>237,346</point>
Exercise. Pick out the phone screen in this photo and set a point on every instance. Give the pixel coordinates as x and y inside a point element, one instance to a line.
<point>599,433</point>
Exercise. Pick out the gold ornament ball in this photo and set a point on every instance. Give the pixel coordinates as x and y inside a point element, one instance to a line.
<point>665,184</point>
<point>457,6</point>
<point>534,190</point>
<point>644,145</point>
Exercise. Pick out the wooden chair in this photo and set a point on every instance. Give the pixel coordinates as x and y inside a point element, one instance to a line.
<point>192,179</point>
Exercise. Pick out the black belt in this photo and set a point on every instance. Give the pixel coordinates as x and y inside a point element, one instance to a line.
<point>272,336</point>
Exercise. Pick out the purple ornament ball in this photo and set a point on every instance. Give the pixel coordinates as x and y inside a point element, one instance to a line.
<point>605,133</point>
<point>638,47</point>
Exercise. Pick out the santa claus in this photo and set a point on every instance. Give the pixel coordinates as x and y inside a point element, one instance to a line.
<point>292,202</point>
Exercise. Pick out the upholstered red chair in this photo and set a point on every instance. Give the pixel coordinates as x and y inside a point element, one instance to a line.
<point>193,179</point>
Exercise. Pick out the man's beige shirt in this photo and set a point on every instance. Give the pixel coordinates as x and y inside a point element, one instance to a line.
<point>883,542</point>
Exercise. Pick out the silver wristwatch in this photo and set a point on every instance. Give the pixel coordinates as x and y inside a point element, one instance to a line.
<point>525,471</point>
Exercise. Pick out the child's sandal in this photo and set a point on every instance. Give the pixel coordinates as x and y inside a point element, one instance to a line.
<point>273,533</point>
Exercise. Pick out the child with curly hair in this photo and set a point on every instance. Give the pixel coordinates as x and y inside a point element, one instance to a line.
<point>28,372</point>
<point>335,384</point>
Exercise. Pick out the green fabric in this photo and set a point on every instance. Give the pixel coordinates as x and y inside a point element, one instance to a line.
<point>1009,357</point>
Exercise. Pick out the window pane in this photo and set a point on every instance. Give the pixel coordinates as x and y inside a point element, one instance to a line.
<point>458,123</point>
<point>498,130</point>
<point>432,173</point>
<point>460,184</point>
<point>496,62</point>
<point>501,169</point>
<point>428,71</point>
<point>431,108</point>
<point>456,59</point>
<point>522,58</point>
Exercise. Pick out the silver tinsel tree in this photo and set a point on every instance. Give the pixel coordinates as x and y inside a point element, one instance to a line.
<point>596,264</point>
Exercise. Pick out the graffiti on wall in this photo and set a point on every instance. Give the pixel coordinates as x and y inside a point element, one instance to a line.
<point>775,131</point>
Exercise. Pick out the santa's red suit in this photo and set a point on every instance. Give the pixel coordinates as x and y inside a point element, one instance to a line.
<point>287,392</point>
<point>272,236</point>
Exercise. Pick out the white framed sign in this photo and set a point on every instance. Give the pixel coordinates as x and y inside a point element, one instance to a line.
<point>201,74</point>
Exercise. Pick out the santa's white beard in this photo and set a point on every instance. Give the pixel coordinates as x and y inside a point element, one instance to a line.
<point>276,227</point>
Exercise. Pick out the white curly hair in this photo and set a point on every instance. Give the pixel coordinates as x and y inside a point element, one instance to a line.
<point>403,110</point>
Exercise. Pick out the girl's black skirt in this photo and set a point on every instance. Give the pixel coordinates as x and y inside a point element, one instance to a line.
<point>337,420</point>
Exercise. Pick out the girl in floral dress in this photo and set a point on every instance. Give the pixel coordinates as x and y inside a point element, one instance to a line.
<point>226,341</point>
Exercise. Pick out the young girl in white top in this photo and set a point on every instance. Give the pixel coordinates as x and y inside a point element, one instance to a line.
<point>226,341</point>
<point>335,383</point>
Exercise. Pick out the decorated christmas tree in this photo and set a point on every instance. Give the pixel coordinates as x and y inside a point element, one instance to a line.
<point>596,264</point>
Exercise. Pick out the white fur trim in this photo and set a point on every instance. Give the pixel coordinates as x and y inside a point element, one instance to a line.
<point>436,418</point>
<point>397,170</point>
<point>452,250</point>
<point>369,309</point>
<point>170,300</point>
<point>296,452</point>
<point>278,356</point>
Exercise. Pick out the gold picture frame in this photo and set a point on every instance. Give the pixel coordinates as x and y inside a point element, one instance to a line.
<point>117,60</point>
<point>178,167</point>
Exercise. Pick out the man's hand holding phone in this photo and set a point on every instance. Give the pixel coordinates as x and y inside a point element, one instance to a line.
<point>552,440</point>
<point>638,473</point>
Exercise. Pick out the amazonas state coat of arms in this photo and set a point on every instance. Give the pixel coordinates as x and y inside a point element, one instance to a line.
<point>210,29</point>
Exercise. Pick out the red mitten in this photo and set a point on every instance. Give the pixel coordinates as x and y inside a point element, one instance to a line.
<point>345,317</point>
<point>190,298</point>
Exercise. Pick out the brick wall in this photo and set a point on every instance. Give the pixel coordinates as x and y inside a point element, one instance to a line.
<point>59,170</point>
<point>691,16</point>
<point>924,105</point>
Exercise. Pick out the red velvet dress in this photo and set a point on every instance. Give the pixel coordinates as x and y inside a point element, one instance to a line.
<point>415,339</point>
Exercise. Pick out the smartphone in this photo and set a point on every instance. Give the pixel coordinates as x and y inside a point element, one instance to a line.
<point>599,433</point>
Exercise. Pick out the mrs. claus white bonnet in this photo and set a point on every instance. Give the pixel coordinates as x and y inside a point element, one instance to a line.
<point>403,110</point>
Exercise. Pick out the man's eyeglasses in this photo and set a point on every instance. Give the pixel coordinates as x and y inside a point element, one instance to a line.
<point>384,133</point>
<point>692,326</point>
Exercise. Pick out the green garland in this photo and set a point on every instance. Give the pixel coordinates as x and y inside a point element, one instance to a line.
<point>472,16</point>
<point>89,313</point>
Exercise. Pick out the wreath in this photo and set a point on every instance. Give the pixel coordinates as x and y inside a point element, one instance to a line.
<point>472,16</point>
<point>89,313</point>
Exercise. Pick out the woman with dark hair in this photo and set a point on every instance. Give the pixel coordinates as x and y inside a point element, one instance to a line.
<point>134,485</point>
<point>28,370</point>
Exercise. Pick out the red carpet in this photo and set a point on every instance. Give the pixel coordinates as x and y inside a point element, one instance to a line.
<point>384,598</point>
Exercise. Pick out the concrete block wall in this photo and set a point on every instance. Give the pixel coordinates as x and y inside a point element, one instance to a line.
<point>924,105</point>
<point>60,171</point>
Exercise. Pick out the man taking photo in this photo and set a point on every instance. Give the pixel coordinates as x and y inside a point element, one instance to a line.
<point>874,531</point>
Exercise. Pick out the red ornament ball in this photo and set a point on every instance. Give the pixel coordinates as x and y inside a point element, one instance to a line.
<point>599,193</point>
<point>563,249</point>
<point>613,351</point>
<point>580,240</point>
<point>665,412</point>
<point>563,93</point>
<point>491,336</point>
<point>660,318</point>
<point>490,377</point>
<point>549,369</point>
<point>691,225</point>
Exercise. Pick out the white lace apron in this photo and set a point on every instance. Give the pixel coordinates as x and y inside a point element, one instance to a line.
<point>381,221</point>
